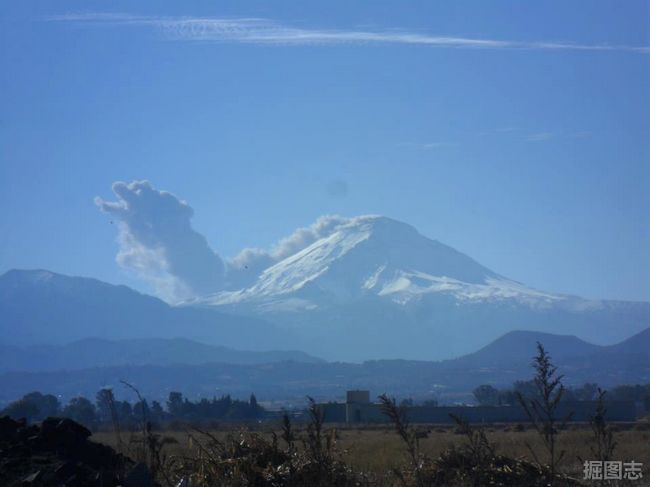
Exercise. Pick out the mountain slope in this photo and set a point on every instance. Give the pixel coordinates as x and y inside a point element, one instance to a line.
<point>41,307</point>
<point>518,347</point>
<point>637,344</point>
<point>376,288</point>
<point>370,288</point>
<point>95,352</point>
<point>372,255</point>
<point>450,380</point>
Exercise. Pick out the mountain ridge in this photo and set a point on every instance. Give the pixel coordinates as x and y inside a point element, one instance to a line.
<point>285,381</point>
<point>368,287</point>
<point>515,346</point>
<point>392,292</point>
<point>97,352</point>
<point>41,307</point>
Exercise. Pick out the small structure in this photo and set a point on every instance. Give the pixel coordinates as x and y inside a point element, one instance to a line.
<point>356,409</point>
<point>358,397</point>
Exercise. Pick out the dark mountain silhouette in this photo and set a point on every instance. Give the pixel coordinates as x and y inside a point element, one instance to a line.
<point>515,347</point>
<point>96,352</point>
<point>40,307</point>
<point>450,379</point>
<point>638,344</point>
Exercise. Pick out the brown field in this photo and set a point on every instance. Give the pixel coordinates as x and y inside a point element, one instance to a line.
<point>377,448</point>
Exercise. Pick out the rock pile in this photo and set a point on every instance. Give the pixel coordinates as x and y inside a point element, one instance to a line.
<point>57,453</point>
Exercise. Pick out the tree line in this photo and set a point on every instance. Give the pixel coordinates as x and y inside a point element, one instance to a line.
<point>488,395</point>
<point>37,406</point>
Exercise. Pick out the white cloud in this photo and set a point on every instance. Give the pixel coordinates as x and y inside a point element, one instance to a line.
<point>264,31</point>
<point>158,242</point>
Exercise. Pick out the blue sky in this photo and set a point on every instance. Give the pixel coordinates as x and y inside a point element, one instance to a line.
<point>516,132</point>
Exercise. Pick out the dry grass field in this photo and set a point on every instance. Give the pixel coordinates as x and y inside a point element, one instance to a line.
<point>378,449</point>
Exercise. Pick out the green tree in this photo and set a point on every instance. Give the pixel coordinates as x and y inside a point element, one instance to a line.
<point>34,407</point>
<point>106,409</point>
<point>22,409</point>
<point>157,412</point>
<point>486,395</point>
<point>175,404</point>
<point>526,388</point>
<point>141,410</point>
<point>81,410</point>
<point>124,411</point>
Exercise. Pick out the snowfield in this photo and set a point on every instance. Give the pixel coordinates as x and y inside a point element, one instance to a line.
<point>380,256</point>
<point>372,287</point>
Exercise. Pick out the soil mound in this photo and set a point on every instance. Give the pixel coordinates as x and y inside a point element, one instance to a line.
<point>58,453</point>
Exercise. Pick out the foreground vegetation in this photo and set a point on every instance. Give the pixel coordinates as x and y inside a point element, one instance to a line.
<point>549,450</point>
<point>377,451</point>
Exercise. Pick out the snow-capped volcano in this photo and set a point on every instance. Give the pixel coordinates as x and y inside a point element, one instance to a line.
<point>375,255</point>
<point>370,287</point>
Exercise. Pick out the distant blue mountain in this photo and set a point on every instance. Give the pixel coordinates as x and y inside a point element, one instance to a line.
<point>97,352</point>
<point>519,347</point>
<point>354,296</point>
<point>500,363</point>
<point>43,308</point>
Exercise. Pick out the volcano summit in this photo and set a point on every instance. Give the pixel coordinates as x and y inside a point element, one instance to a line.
<point>372,287</point>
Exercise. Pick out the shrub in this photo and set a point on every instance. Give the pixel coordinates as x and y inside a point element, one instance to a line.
<point>541,407</point>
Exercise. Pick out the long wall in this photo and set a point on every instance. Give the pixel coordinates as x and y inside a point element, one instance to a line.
<point>371,413</point>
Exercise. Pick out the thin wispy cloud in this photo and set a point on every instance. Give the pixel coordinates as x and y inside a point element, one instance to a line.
<point>436,145</point>
<point>540,137</point>
<point>427,145</point>
<point>264,31</point>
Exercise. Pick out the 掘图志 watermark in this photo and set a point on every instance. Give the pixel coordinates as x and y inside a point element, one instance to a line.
<point>612,470</point>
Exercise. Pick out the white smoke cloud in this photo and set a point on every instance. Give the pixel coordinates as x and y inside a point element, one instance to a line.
<point>251,262</point>
<point>158,242</point>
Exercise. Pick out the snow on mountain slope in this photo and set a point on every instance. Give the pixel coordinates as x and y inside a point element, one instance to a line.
<point>374,255</point>
<point>357,289</point>
<point>371,287</point>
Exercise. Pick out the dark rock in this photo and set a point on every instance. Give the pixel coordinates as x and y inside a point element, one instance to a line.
<point>48,428</point>
<point>65,470</point>
<point>140,476</point>
<point>58,452</point>
<point>9,427</point>
<point>33,478</point>
<point>72,480</point>
<point>70,433</point>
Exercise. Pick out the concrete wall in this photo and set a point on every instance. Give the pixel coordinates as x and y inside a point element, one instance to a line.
<point>358,396</point>
<point>333,412</point>
<point>371,413</point>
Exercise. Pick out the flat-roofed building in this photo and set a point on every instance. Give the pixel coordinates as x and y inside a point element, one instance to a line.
<point>357,397</point>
